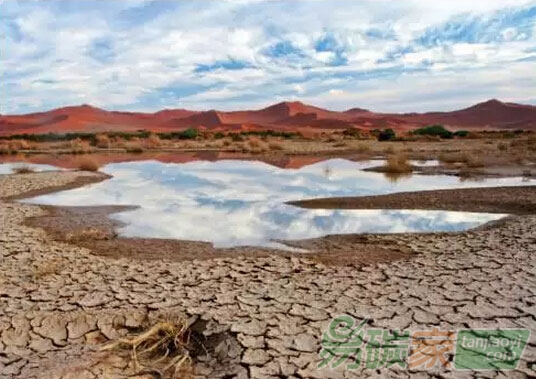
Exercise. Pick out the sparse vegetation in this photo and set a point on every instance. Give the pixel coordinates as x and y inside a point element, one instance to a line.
<point>79,146</point>
<point>397,164</point>
<point>88,164</point>
<point>434,130</point>
<point>23,169</point>
<point>161,348</point>
<point>102,141</point>
<point>274,145</point>
<point>134,147</point>
<point>386,135</point>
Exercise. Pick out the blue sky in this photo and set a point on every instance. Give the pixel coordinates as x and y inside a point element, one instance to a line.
<point>404,55</point>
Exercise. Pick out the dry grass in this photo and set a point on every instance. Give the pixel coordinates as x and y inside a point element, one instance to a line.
<point>103,141</point>
<point>153,142</point>
<point>501,146</point>
<point>161,349</point>
<point>389,150</point>
<point>134,147</point>
<point>274,145</point>
<point>4,149</point>
<point>87,164</point>
<point>473,161</point>
<point>451,157</point>
<point>23,169</point>
<point>362,148</point>
<point>41,270</point>
<point>397,164</point>
<point>79,146</point>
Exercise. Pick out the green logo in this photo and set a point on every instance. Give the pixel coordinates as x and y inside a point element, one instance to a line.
<point>487,349</point>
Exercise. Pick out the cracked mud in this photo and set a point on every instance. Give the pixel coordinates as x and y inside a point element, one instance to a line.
<point>264,315</point>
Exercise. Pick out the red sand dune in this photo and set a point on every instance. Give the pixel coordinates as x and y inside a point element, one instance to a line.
<point>492,114</point>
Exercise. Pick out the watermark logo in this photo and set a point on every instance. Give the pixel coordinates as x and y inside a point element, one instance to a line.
<point>485,349</point>
<point>351,344</point>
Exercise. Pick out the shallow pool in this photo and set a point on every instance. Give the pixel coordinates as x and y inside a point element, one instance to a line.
<point>235,203</point>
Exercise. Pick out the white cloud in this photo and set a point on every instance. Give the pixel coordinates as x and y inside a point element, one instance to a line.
<point>150,60</point>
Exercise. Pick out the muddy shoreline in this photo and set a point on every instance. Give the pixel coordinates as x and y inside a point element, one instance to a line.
<point>94,229</point>
<point>512,200</point>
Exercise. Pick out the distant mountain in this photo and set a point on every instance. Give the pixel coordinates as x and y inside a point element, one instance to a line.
<point>492,114</point>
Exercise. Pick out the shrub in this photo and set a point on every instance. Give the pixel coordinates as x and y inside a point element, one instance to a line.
<point>387,135</point>
<point>79,146</point>
<point>461,133</point>
<point>102,141</point>
<point>434,130</point>
<point>153,141</point>
<point>4,149</point>
<point>219,135</point>
<point>88,164</point>
<point>23,169</point>
<point>397,164</point>
<point>236,137</point>
<point>134,147</point>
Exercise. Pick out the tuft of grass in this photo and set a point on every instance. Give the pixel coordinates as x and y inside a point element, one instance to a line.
<point>23,169</point>
<point>79,146</point>
<point>153,141</point>
<point>501,146</point>
<point>397,164</point>
<point>472,161</point>
<point>88,164</point>
<point>102,141</point>
<point>161,348</point>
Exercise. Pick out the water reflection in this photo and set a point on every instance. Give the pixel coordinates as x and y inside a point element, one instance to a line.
<point>233,203</point>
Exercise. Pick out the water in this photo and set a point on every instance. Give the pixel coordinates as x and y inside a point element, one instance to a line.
<point>236,203</point>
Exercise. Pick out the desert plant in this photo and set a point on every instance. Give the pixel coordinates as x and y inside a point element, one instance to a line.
<point>134,147</point>
<point>4,149</point>
<point>23,169</point>
<point>87,164</point>
<point>397,164</point>
<point>161,348</point>
<point>79,146</point>
<point>102,141</point>
<point>461,133</point>
<point>434,130</point>
<point>153,141</point>
<point>387,135</point>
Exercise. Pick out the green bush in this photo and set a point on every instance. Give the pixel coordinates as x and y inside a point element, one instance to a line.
<point>434,130</point>
<point>461,133</point>
<point>387,135</point>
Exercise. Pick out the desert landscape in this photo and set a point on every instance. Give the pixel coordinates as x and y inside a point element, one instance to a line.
<point>267,189</point>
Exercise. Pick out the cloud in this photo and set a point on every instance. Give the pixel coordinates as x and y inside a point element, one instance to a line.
<point>132,55</point>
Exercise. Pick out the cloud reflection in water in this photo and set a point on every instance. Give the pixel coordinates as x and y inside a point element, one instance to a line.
<point>234,203</point>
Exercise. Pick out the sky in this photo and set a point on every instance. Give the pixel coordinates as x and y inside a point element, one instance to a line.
<point>391,56</point>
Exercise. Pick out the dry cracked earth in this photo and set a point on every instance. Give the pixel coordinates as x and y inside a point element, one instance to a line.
<point>263,316</point>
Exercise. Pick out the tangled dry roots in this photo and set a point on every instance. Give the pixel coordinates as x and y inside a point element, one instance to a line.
<point>160,349</point>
